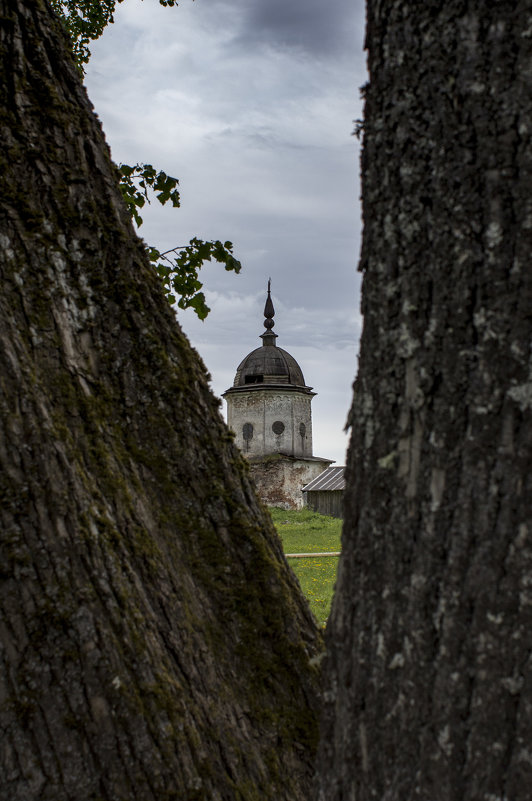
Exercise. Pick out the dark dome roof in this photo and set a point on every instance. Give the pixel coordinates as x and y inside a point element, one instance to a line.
<point>270,365</point>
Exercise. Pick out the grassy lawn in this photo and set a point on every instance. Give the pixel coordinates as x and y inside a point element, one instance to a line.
<point>305,531</point>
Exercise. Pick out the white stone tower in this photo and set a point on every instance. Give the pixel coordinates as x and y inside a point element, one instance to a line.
<point>268,408</point>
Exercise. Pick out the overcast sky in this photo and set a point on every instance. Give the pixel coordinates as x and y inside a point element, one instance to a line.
<point>250,103</point>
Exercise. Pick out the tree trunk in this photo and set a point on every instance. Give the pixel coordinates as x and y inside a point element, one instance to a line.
<point>154,643</point>
<point>429,690</point>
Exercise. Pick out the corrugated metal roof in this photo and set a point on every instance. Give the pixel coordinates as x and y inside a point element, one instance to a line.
<point>331,479</point>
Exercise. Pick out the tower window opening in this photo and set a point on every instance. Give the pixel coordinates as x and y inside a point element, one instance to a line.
<point>278,427</point>
<point>254,379</point>
<point>247,433</point>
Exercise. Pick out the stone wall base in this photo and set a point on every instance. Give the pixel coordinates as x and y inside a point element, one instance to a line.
<point>279,479</point>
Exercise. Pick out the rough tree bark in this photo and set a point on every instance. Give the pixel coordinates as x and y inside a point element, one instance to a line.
<point>429,691</point>
<point>153,642</point>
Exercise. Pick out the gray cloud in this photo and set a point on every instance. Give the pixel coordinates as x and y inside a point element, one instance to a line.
<point>315,26</point>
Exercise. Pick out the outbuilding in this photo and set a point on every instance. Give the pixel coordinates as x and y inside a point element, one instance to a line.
<point>325,493</point>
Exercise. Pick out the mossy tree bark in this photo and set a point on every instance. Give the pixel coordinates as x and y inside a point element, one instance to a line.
<point>154,643</point>
<point>429,691</point>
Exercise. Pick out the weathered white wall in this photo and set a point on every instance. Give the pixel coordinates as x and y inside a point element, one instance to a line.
<point>264,407</point>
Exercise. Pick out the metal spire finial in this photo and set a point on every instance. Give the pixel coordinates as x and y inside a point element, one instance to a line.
<point>268,338</point>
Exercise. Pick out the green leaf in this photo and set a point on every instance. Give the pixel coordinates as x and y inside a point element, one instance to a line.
<point>136,181</point>
<point>180,273</point>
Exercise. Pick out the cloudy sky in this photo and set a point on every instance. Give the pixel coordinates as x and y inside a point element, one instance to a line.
<point>250,103</point>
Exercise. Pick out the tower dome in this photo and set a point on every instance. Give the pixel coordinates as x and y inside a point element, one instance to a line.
<point>269,364</point>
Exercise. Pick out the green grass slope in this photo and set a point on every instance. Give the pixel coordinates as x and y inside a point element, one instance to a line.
<point>305,531</point>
